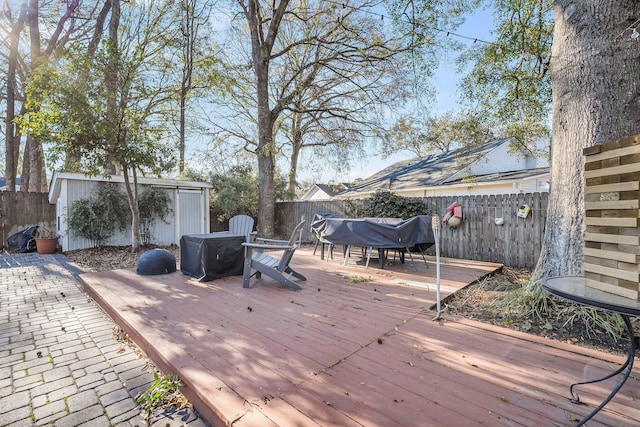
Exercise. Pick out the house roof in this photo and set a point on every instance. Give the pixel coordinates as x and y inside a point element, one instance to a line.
<point>330,190</point>
<point>333,189</point>
<point>3,182</point>
<point>504,176</point>
<point>58,177</point>
<point>435,170</point>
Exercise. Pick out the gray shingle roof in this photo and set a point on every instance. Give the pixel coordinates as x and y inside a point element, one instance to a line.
<point>433,170</point>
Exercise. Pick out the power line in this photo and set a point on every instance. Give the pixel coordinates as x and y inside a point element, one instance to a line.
<point>448,33</point>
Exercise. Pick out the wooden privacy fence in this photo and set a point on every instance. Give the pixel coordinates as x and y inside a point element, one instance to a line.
<point>19,210</point>
<point>514,243</point>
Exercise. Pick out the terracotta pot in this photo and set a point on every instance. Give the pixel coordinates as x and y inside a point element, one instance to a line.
<point>46,246</point>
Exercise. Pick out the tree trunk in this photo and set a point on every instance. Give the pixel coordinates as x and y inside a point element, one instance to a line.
<point>34,158</point>
<point>182,144</point>
<point>12,147</point>
<point>266,156</point>
<point>132,198</point>
<point>296,146</point>
<point>111,77</point>
<point>592,44</point>
<point>261,45</point>
<point>189,34</point>
<point>26,169</point>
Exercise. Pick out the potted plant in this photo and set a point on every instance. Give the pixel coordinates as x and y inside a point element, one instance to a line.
<point>46,240</point>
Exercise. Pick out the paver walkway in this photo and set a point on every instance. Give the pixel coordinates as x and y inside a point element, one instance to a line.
<point>60,363</point>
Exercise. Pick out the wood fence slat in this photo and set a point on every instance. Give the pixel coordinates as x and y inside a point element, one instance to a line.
<point>19,210</point>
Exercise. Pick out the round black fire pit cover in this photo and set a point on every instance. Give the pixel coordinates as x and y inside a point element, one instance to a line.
<point>156,261</point>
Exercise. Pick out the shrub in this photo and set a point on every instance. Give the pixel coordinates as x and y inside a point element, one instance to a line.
<point>95,217</point>
<point>153,203</point>
<point>385,204</point>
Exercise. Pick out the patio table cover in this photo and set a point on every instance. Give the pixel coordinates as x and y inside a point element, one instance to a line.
<point>381,233</point>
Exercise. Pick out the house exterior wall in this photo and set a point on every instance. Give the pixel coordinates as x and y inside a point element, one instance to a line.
<point>500,160</point>
<point>317,194</point>
<point>533,184</point>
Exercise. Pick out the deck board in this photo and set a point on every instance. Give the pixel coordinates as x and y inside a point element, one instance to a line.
<point>354,347</point>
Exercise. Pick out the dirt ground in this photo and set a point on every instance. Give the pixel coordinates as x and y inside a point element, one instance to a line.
<point>483,301</point>
<point>487,301</point>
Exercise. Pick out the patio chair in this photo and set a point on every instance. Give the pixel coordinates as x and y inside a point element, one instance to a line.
<point>242,224</point>
<point>276,268</point>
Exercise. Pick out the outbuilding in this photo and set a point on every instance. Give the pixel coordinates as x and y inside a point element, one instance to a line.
<point>189,208</point>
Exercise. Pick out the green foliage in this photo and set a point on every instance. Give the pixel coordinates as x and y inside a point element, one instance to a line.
<point>236,191</point>
<point>95,217</point>
<point>153,203</point>
<point>510,82</point>
<point>595,321</point>
<point>162,393</point>
<point>389,205</point>
<point>436,134</point>
<point>90,125</point>
<point>529,300</point>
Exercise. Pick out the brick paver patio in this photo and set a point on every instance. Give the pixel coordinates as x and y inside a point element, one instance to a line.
<point>60,363</point>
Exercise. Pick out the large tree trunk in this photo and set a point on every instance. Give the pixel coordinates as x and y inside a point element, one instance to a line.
<point>296,147</point>
<point>189,34</point>
<point>12,147</point>
<point>111,77</point>
<point>266,156</point>
<point>261,46</point>
<point>35,157</point>
<point>591,44</point>
<point>26,169</point>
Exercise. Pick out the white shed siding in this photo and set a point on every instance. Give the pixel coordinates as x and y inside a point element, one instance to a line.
<point>75,190</point>
<point>190,209</point>
<point>162,232</point>
<point>190,220</point>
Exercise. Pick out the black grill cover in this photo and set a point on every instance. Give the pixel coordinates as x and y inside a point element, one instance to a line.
<point>156,261</point>
<point>211,256</point>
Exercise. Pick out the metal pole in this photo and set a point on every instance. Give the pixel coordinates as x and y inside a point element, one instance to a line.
<point>436,227</point>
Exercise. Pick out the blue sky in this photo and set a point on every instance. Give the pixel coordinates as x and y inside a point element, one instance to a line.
<point>446,79</point>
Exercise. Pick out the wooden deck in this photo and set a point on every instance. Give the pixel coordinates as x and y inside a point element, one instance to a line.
<point>355,347</point>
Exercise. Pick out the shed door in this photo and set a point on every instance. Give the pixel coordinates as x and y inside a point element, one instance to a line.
<point>191,212</point>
